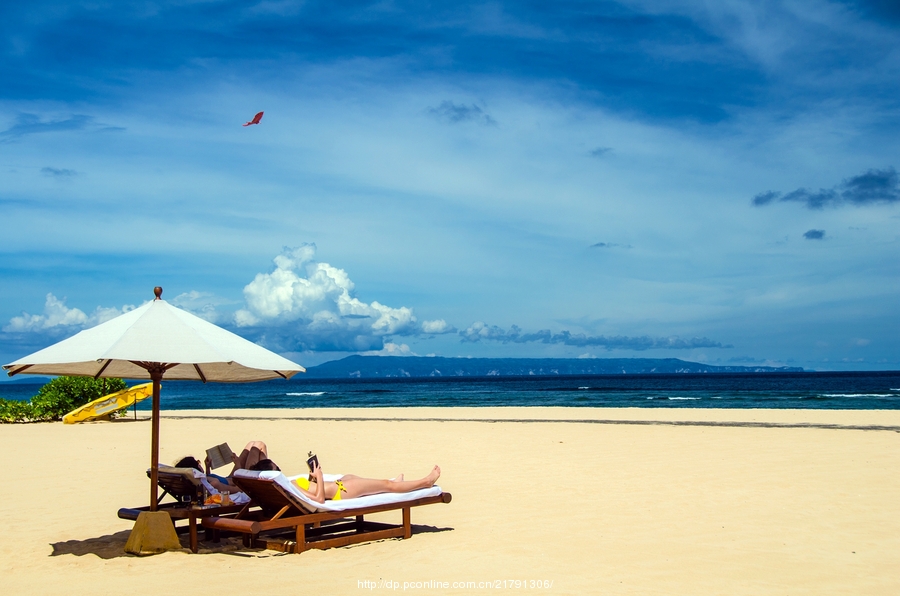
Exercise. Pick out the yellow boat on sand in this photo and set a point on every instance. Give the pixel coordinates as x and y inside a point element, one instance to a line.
<point>106,405</point>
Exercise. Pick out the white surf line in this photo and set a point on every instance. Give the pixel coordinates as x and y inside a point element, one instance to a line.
<point>817,425</point>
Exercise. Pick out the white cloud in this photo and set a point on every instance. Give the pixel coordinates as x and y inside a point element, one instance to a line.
<point>58,317</point>
<point>301,305</point>
<point>391,349</point>
<point>312,305</point>
<point>437,326</point>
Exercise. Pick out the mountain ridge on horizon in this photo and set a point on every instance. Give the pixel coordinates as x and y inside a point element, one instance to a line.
<point>358,366</point>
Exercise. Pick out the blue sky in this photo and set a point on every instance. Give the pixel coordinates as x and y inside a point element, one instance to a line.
<point>710,181</point>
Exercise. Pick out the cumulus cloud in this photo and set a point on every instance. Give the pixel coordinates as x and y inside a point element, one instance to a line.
<point>302,304</point>
<point>307,305</point>
<point>391,349</point>
<point>814,234</point>
<point>873,187</point>
<point>456,113</point>
<point>480,331</point>
<point>437,326</point>
<point>59,318</point>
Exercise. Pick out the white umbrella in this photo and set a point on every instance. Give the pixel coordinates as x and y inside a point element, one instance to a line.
<point>149,342</point>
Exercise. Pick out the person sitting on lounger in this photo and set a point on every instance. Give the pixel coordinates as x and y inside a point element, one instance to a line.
<point>253,453</point>
<point>350,486</point>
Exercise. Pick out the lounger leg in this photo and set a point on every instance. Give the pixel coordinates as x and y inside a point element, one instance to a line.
<point>359,524</point>
<point>301,539</point>
<point>407,525</point>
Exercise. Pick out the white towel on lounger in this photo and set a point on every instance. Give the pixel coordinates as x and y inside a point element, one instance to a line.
<point>341,504</point>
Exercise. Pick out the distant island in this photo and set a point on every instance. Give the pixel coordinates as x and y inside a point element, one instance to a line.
<point>368,367</point>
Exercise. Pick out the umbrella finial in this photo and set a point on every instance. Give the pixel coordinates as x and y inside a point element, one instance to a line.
<point>157,291</point>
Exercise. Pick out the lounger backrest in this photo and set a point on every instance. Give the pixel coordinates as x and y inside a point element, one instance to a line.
<point>179,482</point>
<point>266,493</point>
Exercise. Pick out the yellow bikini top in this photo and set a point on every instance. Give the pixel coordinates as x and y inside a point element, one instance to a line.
<point>304,484</point>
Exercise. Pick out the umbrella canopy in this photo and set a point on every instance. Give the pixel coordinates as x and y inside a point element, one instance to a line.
<point>153,341</point>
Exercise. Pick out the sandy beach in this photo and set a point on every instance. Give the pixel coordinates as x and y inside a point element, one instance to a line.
<point>584,501</point>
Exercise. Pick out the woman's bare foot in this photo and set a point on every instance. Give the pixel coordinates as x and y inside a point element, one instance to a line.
<point>434,475</point>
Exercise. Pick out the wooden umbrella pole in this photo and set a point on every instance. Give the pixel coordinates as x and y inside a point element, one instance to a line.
<point>155,374</point>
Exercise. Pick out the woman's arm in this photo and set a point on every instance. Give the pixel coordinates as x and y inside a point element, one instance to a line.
<point>222,487</point>
<point>317,495</point>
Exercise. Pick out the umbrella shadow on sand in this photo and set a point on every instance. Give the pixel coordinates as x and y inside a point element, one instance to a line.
<point>110,546</point>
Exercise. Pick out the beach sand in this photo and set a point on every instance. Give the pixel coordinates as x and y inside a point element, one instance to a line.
<point>586,501</point>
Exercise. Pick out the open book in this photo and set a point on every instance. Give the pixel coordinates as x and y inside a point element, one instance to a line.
<point>219,456</point>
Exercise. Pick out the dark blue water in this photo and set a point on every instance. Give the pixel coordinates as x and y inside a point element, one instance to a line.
<point>862,391</point>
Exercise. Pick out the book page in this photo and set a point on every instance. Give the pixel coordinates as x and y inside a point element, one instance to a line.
<point>219,456</point>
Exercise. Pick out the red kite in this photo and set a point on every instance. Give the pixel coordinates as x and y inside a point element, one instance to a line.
<point>255,120</point>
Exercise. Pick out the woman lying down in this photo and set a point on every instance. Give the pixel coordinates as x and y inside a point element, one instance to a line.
<point>350,486</point>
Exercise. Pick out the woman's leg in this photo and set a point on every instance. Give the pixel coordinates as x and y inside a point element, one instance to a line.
<point>253,452</point>
<point>361,487</point>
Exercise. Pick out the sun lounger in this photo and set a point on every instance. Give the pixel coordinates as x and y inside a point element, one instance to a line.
<point>283,508</point>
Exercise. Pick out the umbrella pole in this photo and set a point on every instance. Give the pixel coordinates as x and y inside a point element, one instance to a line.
<point>154,441</point>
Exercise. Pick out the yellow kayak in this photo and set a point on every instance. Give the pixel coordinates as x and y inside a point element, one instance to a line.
<point>106,405</point>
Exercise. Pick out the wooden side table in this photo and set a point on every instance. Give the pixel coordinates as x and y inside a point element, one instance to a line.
<point>179,511</point>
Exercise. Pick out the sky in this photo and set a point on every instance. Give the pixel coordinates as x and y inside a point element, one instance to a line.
<point>711,181</point>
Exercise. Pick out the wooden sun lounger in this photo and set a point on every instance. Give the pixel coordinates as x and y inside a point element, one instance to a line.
<point>278,511</point>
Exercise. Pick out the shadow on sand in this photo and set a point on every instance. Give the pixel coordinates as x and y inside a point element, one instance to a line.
<point>112,546</point>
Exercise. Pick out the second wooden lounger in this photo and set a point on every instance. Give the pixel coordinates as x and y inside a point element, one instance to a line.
<point>279,518</point>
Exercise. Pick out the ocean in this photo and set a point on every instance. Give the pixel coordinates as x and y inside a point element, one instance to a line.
<point>827,391</point>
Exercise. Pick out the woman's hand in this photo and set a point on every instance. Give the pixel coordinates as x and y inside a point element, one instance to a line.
<point>317,473</point>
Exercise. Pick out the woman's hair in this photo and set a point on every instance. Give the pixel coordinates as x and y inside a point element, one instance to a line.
<point>265,465</point>
<point>189,462</point>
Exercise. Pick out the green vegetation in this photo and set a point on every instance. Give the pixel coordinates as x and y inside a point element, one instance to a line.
<point>57,398</point>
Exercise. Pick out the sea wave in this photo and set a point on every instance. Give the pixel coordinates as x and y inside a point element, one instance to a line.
<point>315,393</point>
<point>858,395</point>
